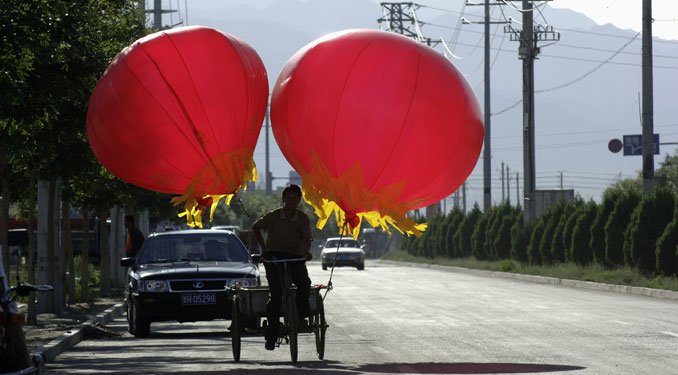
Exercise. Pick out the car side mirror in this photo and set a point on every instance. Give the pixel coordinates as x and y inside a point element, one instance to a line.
<point>256,258</point>
<point>128,262</point>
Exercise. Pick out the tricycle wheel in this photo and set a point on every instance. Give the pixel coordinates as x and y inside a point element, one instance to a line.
<point>235,327</point>
<point>319,328</point>
<point>292,324</point>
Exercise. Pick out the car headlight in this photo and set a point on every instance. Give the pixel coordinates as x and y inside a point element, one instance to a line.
<point>242,282</point>
<point>153,286</point>
<point>248,281</point>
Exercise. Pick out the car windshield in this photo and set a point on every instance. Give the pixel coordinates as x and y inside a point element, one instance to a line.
<point>342,243</point>
<point>188,247</point>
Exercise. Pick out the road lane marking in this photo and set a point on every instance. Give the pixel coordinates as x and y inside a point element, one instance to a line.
<point>670,333</point>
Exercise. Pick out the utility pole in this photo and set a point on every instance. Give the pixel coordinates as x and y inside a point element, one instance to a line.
<point>517,189</point>
<point>503,197</point>
<point>648,111</point>
<point>487,152</point>
<point>487,145</point>
<point>528,51</point>
<point>508,185</point>
<point>463,196</point>
<point>157,13</point>
<point>269,182</point>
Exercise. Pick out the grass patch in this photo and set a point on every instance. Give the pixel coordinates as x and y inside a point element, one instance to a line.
<point>596,273</point>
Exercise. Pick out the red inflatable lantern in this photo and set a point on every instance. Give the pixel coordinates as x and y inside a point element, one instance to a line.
<point>376,124</point>
<point>179,112</point>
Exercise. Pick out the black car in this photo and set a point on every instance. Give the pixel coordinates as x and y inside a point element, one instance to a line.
<point>186,276</point>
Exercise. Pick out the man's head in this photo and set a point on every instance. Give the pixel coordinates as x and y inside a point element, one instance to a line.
<point>291,196</point>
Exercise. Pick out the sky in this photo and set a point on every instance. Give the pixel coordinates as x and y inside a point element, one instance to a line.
<point>626,14</point>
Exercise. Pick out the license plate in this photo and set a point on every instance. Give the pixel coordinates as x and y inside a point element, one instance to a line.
<point>198,299</point>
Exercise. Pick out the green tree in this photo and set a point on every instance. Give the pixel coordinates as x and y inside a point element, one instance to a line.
<point>568,229</point>
<point>465,232</point>
<point>454,220</point>
<point>667,248</point>
<point>552,218</point>
<point>666,175</point>
<point>615,227</point>
<point>558,245</point>
<point>478,237</point>
<point>520,235</point>
<point>610,198</point>
<point>499,212</point>
<point>53,53</point>
<point>533,253</point>
<point>502,241</point>
<point>581,235</point>
<point>649,220</point>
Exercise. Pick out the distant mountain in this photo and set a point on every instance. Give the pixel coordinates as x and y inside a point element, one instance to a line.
<point>581,101</point>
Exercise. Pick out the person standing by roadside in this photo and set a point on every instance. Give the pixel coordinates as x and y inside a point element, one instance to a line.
<point>134,238</point>
<point>288,236</point>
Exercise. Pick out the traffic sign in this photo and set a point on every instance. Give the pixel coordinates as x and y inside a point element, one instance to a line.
<point>615,145</point>
<point>633,144</point>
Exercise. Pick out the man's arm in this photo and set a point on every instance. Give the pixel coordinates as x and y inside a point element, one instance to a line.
<point>256,229</point>
<point>306,241</point>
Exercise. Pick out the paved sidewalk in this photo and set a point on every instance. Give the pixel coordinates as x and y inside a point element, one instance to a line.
<point>70,338</point>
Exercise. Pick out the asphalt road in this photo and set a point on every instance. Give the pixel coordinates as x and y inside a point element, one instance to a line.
<point>395,319</point>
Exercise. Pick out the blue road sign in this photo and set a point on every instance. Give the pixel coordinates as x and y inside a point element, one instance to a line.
<point>633,144</point>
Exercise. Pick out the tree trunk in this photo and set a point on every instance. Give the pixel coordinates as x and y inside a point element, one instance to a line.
<point>84,266</point>
<point>55,304</point>
<point>115,246</point>
<point>105,263</point>
<point>32,246</point>
<point>58,255</point>
<point>42,242</point>
<point>67,246</point>
<point>4,221</point>
<point>4,211</point>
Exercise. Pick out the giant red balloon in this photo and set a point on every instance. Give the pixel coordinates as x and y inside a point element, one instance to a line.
<point>377,123</point>
<point>180,111</point>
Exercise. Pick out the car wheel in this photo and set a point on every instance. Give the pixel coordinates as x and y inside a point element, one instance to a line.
<point>130,316</point>
<point>324,267</point>
<point>360,267</point>
<point>139,325</point>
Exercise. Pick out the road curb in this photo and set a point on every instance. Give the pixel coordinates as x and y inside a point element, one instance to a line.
<point>71,338</point>
<point>590,285</point>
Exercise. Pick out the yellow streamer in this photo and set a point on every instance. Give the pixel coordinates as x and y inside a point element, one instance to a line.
<point>228,172</point>
<point>322,191</point>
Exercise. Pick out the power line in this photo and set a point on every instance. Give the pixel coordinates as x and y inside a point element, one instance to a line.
<point>608,50</point>
<point>656,40</point>
<point>617,36</point>
<point>475,46</point>
<point>590,71</point>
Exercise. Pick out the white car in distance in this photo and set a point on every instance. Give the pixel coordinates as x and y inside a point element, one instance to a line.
<point>341,252</point>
